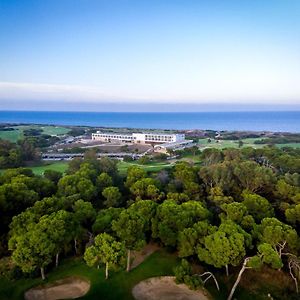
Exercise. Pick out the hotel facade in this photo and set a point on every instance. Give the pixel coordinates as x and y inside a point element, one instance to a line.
<point>138,138</point>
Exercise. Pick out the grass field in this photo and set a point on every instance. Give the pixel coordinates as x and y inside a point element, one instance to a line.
<point>151,167</point>
<point>60,166</point>
<point>17,134</point>
<point>249,142</point>
<point>229,143</point>
<point>11,136</point>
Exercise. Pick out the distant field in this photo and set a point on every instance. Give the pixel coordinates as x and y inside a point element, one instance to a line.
<point>17,134</point>
<point>11,136</point>
<point>221,144</point>
<point>292,145</point>
<point>60,166</point>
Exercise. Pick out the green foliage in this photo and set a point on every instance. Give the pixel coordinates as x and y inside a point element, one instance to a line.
<point>182,270</point>
<point>104,219</point>
<point>225,246</point>
<point>274,232</point>
<point>130,228</point>
<point>105,250</point>
<point>134,173</point>
<point>190,238</point>
<point>145,188</point>
<point>293,214</point>
<point>172,218</point>
<point>257,206</point>
<point>71,185</point>
<point>183,274</point>
<point>112,196</point>
<point>104,181</point>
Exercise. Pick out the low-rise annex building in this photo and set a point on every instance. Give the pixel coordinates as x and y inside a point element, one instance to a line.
<point>138,138</point>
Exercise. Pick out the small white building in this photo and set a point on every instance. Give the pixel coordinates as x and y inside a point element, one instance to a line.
<point>138,138</point>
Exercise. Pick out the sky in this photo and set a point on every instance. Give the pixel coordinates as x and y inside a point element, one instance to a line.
<point>109,55</point>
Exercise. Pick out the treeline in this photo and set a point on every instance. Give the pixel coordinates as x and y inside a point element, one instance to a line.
<point>13,155</point>
<point>292,138</point>
<point>237,208</point>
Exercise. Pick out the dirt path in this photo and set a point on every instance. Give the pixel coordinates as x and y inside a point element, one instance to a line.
<point>67,288</point>
<point>140,256</point>
<point>165,288</point>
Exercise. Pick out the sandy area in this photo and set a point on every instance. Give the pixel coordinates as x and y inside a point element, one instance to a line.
<point>165,288</point>
<point>68,288</point>
<point>140,256</point>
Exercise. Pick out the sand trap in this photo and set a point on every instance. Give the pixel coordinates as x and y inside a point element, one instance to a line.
<point>67,288</point>
<point>140,256</point>
<point>165,288</point>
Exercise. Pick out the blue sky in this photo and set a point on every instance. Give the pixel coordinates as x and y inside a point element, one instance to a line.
<point>68,54</point>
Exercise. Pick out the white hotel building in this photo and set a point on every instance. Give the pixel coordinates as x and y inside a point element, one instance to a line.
<point>138,138</point>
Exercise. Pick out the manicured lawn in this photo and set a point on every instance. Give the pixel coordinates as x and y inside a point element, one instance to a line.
<point>118,286</point>
<point>249,142</point>
<point>54,130</point>
<point>151,167</point>
<point>60,166</point>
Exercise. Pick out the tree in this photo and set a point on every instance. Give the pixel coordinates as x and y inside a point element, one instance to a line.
<point>225,246</point>
<point>75,185</point>
<point>145,188</point>
<point>190,238</point>
<point>37,246</point>
<point>112,196</point>
<point>53,175</point>
<point>130,228</point>
<point>134,174</point>
<point>238,213</point>
<point>253,177</point>
<point>266,254</point>
<point>293,214</point>
<point>104,219</point>
<point>84,212</point>
<point>104,181</point>
<point>172,218</point>
<point>105,250</point>
<point>257,206</point>
<point>277,234</point>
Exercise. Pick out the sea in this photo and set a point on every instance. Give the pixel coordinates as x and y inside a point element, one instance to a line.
<point>275,121</point>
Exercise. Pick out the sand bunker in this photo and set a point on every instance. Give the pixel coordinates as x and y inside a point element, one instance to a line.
<point>67,288</point>
<point>165,288</point>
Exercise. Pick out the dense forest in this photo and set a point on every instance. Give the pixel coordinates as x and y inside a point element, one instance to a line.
<point>237,208</point>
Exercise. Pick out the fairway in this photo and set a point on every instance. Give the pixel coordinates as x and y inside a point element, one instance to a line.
<point>151,167</point>
<point>60,166</point>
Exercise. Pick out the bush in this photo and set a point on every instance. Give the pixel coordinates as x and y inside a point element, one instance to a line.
<point>183,274</point>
